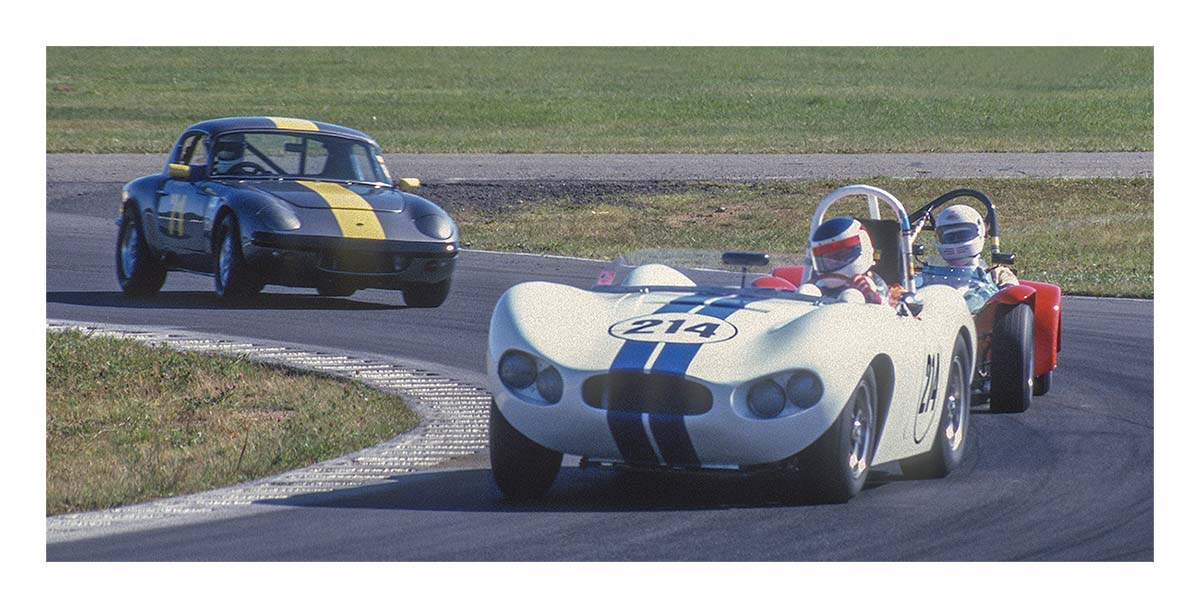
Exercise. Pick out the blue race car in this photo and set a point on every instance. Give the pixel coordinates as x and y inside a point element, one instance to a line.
<point>255,201</point>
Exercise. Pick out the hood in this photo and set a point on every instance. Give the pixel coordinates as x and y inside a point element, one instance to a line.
<point>326,195</point>
<point>667,331</point>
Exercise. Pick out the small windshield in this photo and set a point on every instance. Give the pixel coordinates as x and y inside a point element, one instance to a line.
<point>273,155</point>
<point>691,270</point>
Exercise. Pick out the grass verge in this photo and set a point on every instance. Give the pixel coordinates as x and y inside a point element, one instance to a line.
<point>126,422</point>
<point>1093,236</point>
<point>613,99</point>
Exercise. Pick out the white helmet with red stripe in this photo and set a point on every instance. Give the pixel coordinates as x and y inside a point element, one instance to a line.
<point>841,246</point>
<point>959,231</point>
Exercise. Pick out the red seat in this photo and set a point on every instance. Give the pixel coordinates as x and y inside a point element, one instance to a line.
<point>791,274</point>
<point>774,282</point>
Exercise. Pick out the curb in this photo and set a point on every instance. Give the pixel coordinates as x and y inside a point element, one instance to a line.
<point>454,423</point>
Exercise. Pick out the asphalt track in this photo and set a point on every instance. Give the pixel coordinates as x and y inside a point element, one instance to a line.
<point>1072,479</point>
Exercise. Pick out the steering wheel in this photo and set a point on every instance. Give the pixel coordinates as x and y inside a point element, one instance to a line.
<point>247,168</point>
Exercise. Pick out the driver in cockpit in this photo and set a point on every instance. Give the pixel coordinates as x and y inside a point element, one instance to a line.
<point>227,153</point>
<point>843,260</point>
<point>960,234</point>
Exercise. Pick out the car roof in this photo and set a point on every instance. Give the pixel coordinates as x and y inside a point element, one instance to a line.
<point>217,126</point>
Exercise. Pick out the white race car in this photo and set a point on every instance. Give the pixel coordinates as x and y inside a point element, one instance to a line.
<point>674,362</point>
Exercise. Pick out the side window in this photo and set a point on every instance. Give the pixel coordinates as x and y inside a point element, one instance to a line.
<point>194,151</point>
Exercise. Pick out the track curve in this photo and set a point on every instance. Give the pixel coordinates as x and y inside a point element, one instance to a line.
<point>1072,479</point>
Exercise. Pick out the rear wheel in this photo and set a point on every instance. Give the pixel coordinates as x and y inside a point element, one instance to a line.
<point>138,273</point>
<point>426,295</point>
<point>1041,384</point>
<point>951,440</point>
<point>232,277</point>
<point>1012,359</point>
<point>521,467</point>
<point>834,469</point>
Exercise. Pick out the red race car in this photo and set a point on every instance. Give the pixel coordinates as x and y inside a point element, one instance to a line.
<point>1019,327</point>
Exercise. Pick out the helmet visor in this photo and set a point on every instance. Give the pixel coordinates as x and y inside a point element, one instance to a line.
<point>833,256</point>
<point>954,234</point>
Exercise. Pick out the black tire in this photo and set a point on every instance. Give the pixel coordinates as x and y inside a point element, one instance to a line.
<point>138,272</point>
<point>426,295</point>
<point>954,423</point>
<point>335,290</point>
<point>825,468</point>
<point>1012,359</point>
<point>1041,384</point>
<point>232,277</point>
<point>522,469</point>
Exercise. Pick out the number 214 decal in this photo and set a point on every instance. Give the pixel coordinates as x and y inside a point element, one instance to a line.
<point>674,327</point>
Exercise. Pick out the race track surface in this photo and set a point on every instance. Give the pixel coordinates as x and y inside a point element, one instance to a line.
<point>1072,479</point>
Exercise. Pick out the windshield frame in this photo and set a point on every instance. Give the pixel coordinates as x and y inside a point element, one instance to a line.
<point>373,150</point>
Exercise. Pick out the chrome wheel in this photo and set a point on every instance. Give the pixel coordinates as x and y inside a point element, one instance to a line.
<point>957,407</point>
<point>225,260</point>
<point>861,431</point>
<point>130,241</point>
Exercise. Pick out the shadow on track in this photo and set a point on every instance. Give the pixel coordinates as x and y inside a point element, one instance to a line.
<point>575,490</point>
<point>195,300</point>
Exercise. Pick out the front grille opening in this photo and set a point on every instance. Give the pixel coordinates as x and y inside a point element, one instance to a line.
<point>362,262</point>
<point>640,392</point>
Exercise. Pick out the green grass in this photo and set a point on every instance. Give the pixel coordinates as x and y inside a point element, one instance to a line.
<point>618,99</point>
<point>126,422</point>
<point>1091,236</point>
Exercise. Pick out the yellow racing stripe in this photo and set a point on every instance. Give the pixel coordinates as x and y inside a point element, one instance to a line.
<point>354,214</point>
<point>294,124</point>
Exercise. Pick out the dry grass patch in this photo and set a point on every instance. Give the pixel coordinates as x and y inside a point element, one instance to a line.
<point>126,422</point>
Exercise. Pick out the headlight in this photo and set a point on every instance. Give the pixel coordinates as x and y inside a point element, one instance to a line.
<point>550,385</point>
<point>766,399</point>
<point>435,226</point>
<point>517,370</point>
<point>278,217</point>
<point>804,389</point>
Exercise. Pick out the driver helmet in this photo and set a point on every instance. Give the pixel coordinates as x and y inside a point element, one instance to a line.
<point>959,231</point>
<point>841,246</point>
<point>228,151</point>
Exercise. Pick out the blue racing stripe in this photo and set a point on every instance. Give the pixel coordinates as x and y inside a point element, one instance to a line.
<point>626,427</point>
<point>672,438</point>
<point>675,358</point>
<point>631,438</point>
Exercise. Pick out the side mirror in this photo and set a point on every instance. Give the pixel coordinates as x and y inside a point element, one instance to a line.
<point>909,302</point>
<point>190,173</point>
<point>408,184</point>
<point>918,249</point>
<point>1006,259</point>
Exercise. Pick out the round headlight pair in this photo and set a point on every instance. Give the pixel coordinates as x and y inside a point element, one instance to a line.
<point>767,399</point>
<point>518,371</point>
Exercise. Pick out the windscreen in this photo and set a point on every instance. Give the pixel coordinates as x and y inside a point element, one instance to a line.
<point>686,270</point>
<point>293,155</point>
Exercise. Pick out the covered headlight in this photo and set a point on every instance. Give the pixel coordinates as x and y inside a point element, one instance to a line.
<point>517,370</point>
<point>804,389</point>
<point>766,399</point>
<point>550,384</point>
<point>276,216</point>
<point>436,226</point>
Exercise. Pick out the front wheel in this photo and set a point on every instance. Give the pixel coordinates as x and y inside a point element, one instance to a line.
<point>138,273</point>
<point>521,467</point>
<point>951,441</point>
<point>426,295</point>
<point>232,277</point>
<point>834,468</point>
<point>1012,359</point>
